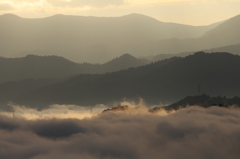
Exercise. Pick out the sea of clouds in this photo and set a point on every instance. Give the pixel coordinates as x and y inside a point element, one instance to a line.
<point>75,132</point>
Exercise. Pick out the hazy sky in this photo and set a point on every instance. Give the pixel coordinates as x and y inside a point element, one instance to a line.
<point>194,12</point>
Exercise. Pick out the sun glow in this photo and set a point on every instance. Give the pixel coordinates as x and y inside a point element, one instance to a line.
<point>54,111</point>
<point>22,4</point>
<point>178,11</point>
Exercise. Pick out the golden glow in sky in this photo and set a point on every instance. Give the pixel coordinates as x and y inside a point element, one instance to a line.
<point>193,12</point>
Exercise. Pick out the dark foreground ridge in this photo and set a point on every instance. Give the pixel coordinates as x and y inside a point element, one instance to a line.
<point>204,101</point>
<point>117,108</point>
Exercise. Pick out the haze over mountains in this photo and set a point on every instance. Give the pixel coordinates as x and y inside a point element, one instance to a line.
<point>164,81</point>
<point>99,39</point>
<point>95,39</point>
<point>233,49</point>
<point>58,75</point>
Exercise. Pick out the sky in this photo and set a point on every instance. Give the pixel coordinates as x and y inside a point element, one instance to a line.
<point>191,12</point>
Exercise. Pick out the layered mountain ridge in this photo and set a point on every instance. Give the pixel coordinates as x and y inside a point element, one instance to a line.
<point>165,81</point>
<point>95,39</point>
<point>35,67</point>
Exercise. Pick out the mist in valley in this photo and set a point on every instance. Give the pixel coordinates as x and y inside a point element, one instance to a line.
<point>126,86</point>
<point>193,132</point>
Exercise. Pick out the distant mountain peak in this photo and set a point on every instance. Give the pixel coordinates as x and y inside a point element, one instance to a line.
<point>127,55</point>
<point>137,15</point>
<point>134,14</point>
<point>123,62</point>
<point>58,16</point>
<point>228,30</point>
<point>10,15</point>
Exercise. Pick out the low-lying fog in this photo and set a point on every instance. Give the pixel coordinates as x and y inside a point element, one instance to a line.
<point>75,132</point>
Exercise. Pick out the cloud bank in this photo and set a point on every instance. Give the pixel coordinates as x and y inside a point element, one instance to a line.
<point>212,133</point>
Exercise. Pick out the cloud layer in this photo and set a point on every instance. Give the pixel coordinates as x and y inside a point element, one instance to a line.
<point>198,133</point>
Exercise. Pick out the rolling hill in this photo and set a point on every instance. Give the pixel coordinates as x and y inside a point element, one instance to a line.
<point>233,49</point>
<point>89,39</point>
<point>203,100</point>
<point>225,34</point>
<point>35,67</point>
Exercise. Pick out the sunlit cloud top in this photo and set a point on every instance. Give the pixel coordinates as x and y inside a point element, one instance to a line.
<point>194,12</point>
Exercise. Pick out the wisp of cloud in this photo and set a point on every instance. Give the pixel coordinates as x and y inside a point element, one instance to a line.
<point>54,111</point>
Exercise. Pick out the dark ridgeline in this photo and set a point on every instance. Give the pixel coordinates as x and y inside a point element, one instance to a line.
<point>165,81</point>
<point>119,108</point>
<point>23,75</point>
<point>233,49</point>
<point>32,66</point>
<point>35,67</point>
<point>123,62</point>
<point>203,100</point>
